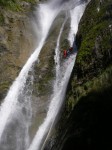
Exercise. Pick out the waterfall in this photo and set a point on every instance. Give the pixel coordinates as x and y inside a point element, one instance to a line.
<point>59,90</point>
<point>16,111</point>
<point>10,104</point>
<point>76,15</point>
<point>44,128</point>
<point>57,56</point>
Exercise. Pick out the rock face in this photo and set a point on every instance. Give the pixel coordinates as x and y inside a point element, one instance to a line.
<point>18,41</point>
<point>85,122</point>
<point>94,40</point>
<point>94,43</point>
<point>16,44</point>
<point>86,118</point>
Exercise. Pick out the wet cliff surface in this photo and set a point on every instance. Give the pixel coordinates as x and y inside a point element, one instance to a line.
<point>17,43</point>
<point>94,43</point>
<point>17,40</point>
<point>86,116</point>
<point>85,122</point>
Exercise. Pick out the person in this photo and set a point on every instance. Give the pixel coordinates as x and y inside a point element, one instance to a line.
<point>74,47</point>
<point>65,53</point>
<point>71,49</point>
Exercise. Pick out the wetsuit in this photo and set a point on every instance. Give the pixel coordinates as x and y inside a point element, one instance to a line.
<point>65,53</point>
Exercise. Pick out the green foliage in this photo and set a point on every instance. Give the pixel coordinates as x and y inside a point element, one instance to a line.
<point>95,38</point>
<point>31,1</point>
<point>11,4</point>
<point>14,5</point>
<point>89,41</point>
<point>1,19</point>
<point>3,88</point>
<point>99,83</point>
<point>94,30</point>
<point>6,2</point>
<point>64,44</point>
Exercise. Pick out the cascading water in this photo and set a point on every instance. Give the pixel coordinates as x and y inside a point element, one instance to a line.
<point>59,89</point>
<point>10,107</point>
<point>57,56</point>
<point>16,111</point>
<point>44,128</point>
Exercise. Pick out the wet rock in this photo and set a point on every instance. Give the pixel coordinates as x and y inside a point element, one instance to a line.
<point>17,41</point>
<point>85,120</point>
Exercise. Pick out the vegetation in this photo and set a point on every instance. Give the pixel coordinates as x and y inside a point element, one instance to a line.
<point>97,84</point>
<point>3,89</point>
<point>15,5</point>
<point>10,4</point>
<point>43,84</point>
<point>90,126</point>
<point>93,68</point>
<point>87,112</point>
<point>11,21</point>
<point>95,35</point>
<point>1,19</point>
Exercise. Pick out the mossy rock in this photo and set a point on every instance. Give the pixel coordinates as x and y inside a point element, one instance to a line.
<point>94,39</point>
<point>17,5</point>
<point>91,75</point>
<point>3,89</point>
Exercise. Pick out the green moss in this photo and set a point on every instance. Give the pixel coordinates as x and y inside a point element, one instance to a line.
<point>1,19</point>
<point>31,1</point>
<point>3,88</point>
<point>43,84</point>
<point>88,42</point>
<point>4,85</point>
<point>92,74</point>
<point>96,84</point>
<point>94,40</point>
<point>10,4</point>
<point>70,104</point>
<point>64,44</point>
<point>15,5</point>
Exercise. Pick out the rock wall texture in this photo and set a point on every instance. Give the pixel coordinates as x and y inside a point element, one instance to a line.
<point>17,40</point>
<point>85,121</point>
<point>17,43</point>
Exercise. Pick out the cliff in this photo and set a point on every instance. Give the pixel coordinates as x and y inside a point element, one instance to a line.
<point>89,125</point>
<point>86,118</point>
<point>94,43</point>
<point>17,40</point>
<point>85,122</point>
<point>17,43</point>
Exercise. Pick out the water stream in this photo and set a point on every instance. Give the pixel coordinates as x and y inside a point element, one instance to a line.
<point>60,82</point>
<point>16,110</point>
<point>16,97</point>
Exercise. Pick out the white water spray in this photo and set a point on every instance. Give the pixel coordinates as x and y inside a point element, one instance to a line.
<point>47,13</point>
<point>44,128</point>
<point>59,92</point>
<point>57,57</point>
<point>8,107</point>
<point>76,14</point>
